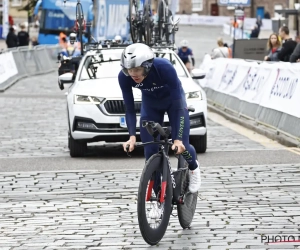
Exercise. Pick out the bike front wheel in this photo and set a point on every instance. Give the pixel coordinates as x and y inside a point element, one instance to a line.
<point>149,192</point>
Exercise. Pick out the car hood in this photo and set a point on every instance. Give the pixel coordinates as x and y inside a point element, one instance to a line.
<point>109,88</point>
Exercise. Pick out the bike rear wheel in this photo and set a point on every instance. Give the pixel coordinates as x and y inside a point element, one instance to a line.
<point>163,21</point>
<point>186,210</point>
<point>150,186</point>
<point>132,20</point>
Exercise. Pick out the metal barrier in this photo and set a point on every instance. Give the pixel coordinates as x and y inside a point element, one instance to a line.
<point>32,61</point>
<point>278,122</point>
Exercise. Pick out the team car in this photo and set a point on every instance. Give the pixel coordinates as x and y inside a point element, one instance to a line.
<point>95,106</point>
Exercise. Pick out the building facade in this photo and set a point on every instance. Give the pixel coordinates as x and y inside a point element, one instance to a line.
<point>211,7</point>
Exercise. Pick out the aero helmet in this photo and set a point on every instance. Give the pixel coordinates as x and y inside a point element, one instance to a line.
<point>137,55</point>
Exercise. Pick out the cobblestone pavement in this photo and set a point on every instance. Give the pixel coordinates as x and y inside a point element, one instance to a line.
<point>97,210</point>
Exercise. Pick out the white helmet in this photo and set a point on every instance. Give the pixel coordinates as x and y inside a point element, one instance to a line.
<point>73,38</point>
<point>184,43</point>
<point>118,39</point>
<point>136,55</point>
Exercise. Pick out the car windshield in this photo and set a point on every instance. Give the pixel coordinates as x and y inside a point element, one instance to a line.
<point>93,69</point>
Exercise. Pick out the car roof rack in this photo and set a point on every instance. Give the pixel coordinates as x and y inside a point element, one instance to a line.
<point>103,44</point>
<point>161,46</point>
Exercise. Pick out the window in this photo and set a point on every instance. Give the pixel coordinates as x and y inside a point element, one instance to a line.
<point>15,3</point>
<point>197,5</point>
<point>175,61</point>
<point>276,15</point>
<point>104,70</point>
<point>112,69</point>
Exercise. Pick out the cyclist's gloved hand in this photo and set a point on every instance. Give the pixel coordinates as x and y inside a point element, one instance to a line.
<point>131,142</point>
<point>179,145</point>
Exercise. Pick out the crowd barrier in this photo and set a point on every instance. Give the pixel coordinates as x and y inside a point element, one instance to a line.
<point>265,93</point>
<point>21,62</point>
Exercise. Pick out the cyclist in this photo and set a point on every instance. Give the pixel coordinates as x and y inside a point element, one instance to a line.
<point>161,92</point>
<point>186,54</point>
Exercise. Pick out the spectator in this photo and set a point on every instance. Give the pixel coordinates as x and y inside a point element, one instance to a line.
<point>34,41</point>
<point>296,54</point>
<point>255,32</point>
<point>220,51</point>
<point>62,39</point>
<point>259,22</point>
<point>288,45</point>
<point>229,50</point>
<point>11,38</point>
<point>274,46</point>
<point>267,15</point>
<point>23,36</point>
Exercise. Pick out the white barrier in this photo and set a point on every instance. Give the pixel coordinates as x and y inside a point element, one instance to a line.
<point>270,85</point>
<point>8,67</point>
<point>17,63</point>
<point>196,19</point>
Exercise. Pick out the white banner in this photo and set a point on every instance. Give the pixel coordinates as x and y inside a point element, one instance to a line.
<point>271,85</point>
<point>8,67</point>
<point>253,85</point>
<point>195,19</point>
<point>283,92</point>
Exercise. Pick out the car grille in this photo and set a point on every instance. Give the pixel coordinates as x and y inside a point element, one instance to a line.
<point>118,107</point>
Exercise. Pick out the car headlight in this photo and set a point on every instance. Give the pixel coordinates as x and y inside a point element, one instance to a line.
<point>83,99</point>
<point>194,95</point>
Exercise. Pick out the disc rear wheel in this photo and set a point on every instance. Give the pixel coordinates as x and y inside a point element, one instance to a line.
<point>186,210</point>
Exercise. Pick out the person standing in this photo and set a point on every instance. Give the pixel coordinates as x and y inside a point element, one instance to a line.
<point>11,38</point>
<point>274,47</point>
<point>23,36</point>
<point>288,44</point>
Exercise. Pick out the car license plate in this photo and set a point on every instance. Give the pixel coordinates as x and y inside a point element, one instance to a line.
<point>123,122</point>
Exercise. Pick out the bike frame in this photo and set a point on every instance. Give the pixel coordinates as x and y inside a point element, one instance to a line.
<point>164,149</point>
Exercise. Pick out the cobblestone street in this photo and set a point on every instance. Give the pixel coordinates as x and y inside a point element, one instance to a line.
<point>97,210</point>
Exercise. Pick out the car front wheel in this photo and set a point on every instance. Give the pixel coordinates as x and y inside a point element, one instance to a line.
<point>77,149</point>
<point>199,142</point>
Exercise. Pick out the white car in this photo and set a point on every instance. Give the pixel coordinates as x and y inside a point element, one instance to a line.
<point>96,110</point>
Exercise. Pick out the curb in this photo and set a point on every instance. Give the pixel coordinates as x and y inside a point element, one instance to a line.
<point>259,128</point>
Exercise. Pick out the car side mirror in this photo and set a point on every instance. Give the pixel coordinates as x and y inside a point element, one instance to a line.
<point>65,79</point>
<point>198,74</point>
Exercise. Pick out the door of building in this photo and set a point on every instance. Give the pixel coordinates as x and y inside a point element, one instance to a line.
<point>260,11</point>
<point>214,9</point>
